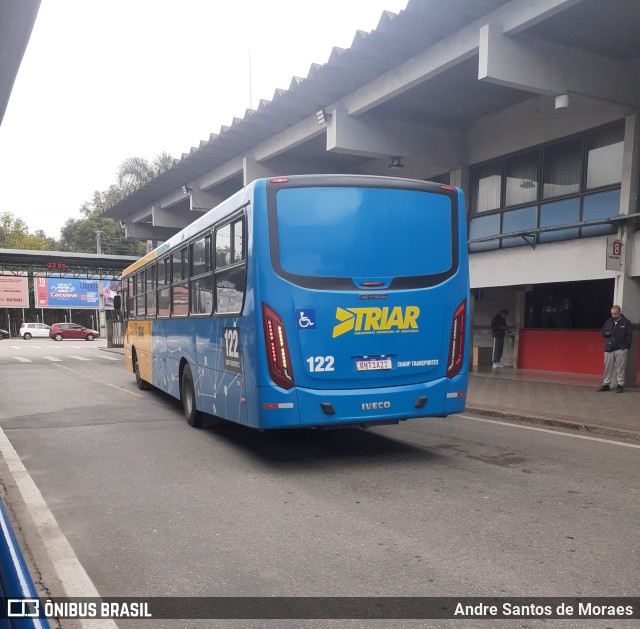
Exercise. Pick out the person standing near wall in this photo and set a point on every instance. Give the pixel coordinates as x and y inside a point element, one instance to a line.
<point>617,332</point>
<point>498,329</point>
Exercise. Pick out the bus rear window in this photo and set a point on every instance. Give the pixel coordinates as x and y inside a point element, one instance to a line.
<point>364,232</point>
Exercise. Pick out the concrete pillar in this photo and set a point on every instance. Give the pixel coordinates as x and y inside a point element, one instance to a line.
<point>627,289</point>
<point>518,324</point>
<point>252,170</point>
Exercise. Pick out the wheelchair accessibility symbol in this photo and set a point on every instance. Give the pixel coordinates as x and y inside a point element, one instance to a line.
<point>306,319</point>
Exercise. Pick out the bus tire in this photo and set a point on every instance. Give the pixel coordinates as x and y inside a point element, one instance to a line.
<point>143,385</point>
<point>194,417</point>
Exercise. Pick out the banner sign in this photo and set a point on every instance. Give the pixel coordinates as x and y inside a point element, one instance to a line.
<point>109,290</point>
<point>64,292</point>
<point>14,291</point>
<point>603,609</point>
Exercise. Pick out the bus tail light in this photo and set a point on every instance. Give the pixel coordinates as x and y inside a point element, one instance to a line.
<point>278,359</point>
<point>456,341</point>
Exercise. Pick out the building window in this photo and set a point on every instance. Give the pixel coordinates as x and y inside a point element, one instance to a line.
<point>521,181</point>
<point>604,157</point>
<point>486,186</point>
<point>518,221</point>
<point>570,181</point>
<point>562,168</point>
<point>600,205</point>
<point>569,305</point>
<point>483,227</point>
<point>558,213</point>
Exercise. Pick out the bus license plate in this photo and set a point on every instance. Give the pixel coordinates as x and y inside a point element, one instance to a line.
<point>370,364</point>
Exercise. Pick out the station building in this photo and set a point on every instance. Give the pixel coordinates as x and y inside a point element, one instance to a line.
<point>531,107</point>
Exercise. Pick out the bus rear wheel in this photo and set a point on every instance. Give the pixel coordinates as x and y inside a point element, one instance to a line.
<point>194,417</point>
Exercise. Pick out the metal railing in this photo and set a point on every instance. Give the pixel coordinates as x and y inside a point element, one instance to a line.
<point>115,333</point>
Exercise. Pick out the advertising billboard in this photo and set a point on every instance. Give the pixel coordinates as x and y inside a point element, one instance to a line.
<point>109,290</point>
<point>14,291</point>
<point>63,292</point>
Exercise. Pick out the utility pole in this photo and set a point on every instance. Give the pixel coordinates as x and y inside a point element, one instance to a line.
<point>102,318</point>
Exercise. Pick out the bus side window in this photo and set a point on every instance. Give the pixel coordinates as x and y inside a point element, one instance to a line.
<point>164,288</point>
<point>201,283</point>
<point>130,305</point>
<point>230,268</point>
<point>179,284</point>
<point>140,294</point>
<point>223,246</point>
<point>151,290</point>
<point>238,241</point>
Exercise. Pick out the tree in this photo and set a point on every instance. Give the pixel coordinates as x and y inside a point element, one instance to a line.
<point>14,234</point>
<point>80,234</point>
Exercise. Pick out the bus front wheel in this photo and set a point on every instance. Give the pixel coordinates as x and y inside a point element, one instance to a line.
<point>194,417</point>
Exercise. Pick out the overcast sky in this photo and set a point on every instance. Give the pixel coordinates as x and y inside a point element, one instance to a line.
<point>104,80</point>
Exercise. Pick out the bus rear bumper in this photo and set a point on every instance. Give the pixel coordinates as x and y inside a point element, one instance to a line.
<point>383,404</point>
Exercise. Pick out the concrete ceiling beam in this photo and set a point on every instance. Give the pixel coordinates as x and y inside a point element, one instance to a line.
<point>514,17</point>
<point>553,69</point>
<point>164,218</point>
<point>146,231</point>
<point>382,138</point>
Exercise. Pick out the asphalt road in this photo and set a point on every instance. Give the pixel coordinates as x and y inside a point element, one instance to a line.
<point>441,507</point>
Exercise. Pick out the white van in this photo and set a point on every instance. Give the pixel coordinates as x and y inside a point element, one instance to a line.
<point>34,329</point>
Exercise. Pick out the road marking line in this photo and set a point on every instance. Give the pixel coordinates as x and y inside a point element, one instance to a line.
<point>22,359</point>
<point>53,359</point>
<point>552,432</point>
<point>74,578</point>
<point>110,358</point>
<point>101,382</point>
<point>79,357</point>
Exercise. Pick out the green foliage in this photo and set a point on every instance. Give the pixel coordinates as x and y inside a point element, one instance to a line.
<point>80,234</point>
<point>14,234</point>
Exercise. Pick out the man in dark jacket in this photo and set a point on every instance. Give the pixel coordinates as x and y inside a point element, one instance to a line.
<point>498,328</point>
<point>617,332</point>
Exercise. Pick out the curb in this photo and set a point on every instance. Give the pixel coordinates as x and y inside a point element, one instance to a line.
<point>575,426</point>
<point>112,350</point>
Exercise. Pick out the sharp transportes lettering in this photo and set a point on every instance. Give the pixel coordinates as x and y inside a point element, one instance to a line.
<point>375,319</point>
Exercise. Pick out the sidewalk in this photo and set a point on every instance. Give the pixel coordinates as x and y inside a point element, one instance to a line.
<point>555,399</point>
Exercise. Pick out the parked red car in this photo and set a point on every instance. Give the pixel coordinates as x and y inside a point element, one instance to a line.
<point>61,331</point>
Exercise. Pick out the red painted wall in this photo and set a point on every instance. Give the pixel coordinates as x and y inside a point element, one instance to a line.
<point>568,351</point>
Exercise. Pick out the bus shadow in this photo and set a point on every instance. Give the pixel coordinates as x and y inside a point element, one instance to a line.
<point>309,447</point>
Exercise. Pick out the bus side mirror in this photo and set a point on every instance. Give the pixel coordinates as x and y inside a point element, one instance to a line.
<point>117,302</point>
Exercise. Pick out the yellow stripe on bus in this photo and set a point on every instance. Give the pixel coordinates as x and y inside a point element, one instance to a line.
<point>141,262</point>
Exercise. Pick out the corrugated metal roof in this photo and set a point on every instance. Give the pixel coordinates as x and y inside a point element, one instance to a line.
<point>6,254</point>
<point>397,38</point>
<point>16,24</point>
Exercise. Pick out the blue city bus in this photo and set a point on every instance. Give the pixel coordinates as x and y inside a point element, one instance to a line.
<point>308,301</point>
